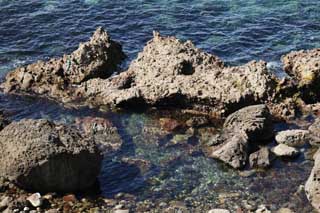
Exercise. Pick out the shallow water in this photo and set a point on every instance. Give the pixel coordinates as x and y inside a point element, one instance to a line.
<point>236,30</point>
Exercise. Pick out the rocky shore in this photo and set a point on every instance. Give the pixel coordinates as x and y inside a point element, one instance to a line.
<point>50,167</point>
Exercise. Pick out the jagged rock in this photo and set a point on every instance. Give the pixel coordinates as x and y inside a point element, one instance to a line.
<point>304,67</point>
<point>169,72</point>
<point>255,121</point>
<point>261,158</point>
<point>39,155</point>
<point>98,57</point>
<point>35,200</point>
<point>249,124</point>
<point>103,131</point>
<point>312,186</point>
<point>232,151</point>
<point>293,137</point>
<point>282,150</point>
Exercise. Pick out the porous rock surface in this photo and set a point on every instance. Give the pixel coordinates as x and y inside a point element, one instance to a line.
<point>312,186</point>
<point>240,129</point>
<point>98,57</point>
<point>304,67</point>
<point>293,137</point>
<point>39,155</point>
<point>169,72</point>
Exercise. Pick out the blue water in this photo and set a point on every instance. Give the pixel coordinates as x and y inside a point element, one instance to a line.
<point>236,30</point>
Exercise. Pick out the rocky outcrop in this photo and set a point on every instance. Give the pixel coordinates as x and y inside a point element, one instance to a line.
<point>293,137</point>
<point>304,67</point>
<point>39,155</point>
<point>169,72</point>
<point>241,129</point>
<point>55,78</point>
<point>312,186</point>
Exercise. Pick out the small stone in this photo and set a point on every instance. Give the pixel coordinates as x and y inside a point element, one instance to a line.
<point>121,211</point>
<point>218,211</point>
<point>4,203</point>
<point>262,209</point>
<point>163,205</point>
<point>285,210</point>
<point>70,198</point>
<point>35,200</point>
<point>294,137</point>
<point>52,211</point>
<point>119,206</point>
<point>26,209</point>
<point>169,124</point>
<point>283,150</point>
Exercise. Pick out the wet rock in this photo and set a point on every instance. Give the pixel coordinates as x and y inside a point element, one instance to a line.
<point>70,198</point>
<point>103,131</point>
<point>304,67</point>
<point>98,57</point>
<point>233,151</point>
<point>169,72</point>
<point>197,122</point>
<point>3,121</point>
<point>283,150</point>
<point>218,211</point>
<point>42,156</point>
<point>294,137</point>
<point>261,158</point>
<point>142,164</point>
<point>312,186</point>
<point>255,121</point>
<point>170,125</point>
<point>35,200</point>
<point>250,124</point>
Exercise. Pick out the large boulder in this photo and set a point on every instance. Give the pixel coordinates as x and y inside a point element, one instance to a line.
<point>241,129</point>
<point>98,57</point>
<point>169,72</point>
<point>312,186</point>
<point>304,67</point>
<point>39,155</point>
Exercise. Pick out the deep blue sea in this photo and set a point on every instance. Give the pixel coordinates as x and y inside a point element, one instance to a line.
<point>235,30</point>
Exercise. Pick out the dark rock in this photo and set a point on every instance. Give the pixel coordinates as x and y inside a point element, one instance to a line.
<point>41,156</point>
<point>261,158</point>
<point>3,121</point>
<point>197,121</point>
<point>98,57</point>
<point>314,130</point>
<point>255,121</point>
<point>312,186</point>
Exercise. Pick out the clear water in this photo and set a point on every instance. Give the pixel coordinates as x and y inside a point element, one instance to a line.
<point>236,30</point>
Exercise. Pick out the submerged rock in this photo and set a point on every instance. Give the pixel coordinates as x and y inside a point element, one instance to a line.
<point>247,125</point>
<point>169,72</point>
<point>98,57</point>
<point>39,155</point>
<point>312,186</point>
<point>103,131</point>
<point>293,137</point>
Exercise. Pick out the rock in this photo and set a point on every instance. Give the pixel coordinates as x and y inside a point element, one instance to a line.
<point>170,125</point>
<point>232,151</point>
<point>304,67</point>
<point>283,150</point>
<point>261,158</point>
<point>35,200</point>
<point>197,121</point>
<point>70,198</point>
<point>122,211</point>
<point>3,121</point>
<point>98,57</point>
<point>249,124</point>
<point>103,131</point>
<point>314,130</point>
<point>218,211</point>
<point>285,210</point>
<point>255,121</point>
<point>172,73</point>
<point>39,155</point>
<point>143,165</point>
<point>263,209</point>
<point>5,201</point>
<point>294,137</point>
<point>312,186</point>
